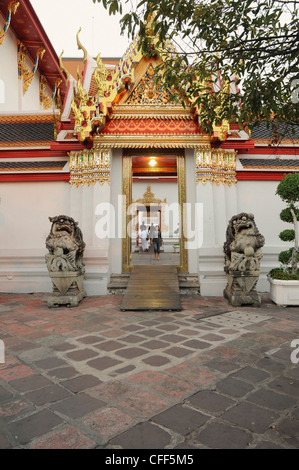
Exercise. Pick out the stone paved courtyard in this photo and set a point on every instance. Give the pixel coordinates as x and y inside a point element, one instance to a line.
<point>210,376</point>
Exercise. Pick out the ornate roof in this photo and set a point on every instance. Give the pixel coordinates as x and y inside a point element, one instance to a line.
<point>130,99</point>
<point>26,131</point>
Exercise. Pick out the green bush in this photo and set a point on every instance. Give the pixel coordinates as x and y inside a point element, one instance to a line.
<point>288,191</point>
<point>279,273</point>
<point>287,235</point>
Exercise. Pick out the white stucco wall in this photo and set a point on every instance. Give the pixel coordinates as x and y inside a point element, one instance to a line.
<point>25,209</point>
<point>24,226</point>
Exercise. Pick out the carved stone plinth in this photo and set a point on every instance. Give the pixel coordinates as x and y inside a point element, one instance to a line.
<point>240,289</point>
<point>67,289</point>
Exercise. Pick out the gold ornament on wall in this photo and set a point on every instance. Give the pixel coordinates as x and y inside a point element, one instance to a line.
<point>149,199</point>
<point>24,73</point>
<point>89,166</point>
<point>216,166</point>
<point>11,9</point>
<point>45,100</point>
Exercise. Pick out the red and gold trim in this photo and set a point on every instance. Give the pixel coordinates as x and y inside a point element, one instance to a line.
<point>151,126</point>
<point>26,118</point>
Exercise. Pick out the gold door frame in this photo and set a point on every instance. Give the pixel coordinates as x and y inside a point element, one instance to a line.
<point>126,218</point>
<point>182,198</point>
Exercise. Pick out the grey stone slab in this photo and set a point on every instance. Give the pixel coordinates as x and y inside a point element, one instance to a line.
<point>33,426</point>
<point>285,385</point>
<point>102,363</point>
<point>173,338</point>
<point>290,427</point>
<point>83,382</point>
<point>82,354</point>
<point>251,417</point>
<point>50,363</point>
<point>270,365</point>
<point>181,419</point>
<point>222,365</point>
<point>31,382</point>
<point>4,394</point>
<point>234,387</point>
<point>156,360</point>
<point>142,436</point>
<point>91,339</point>
<point>271,399</point>
<point>251,374</point>
<point>154,344</point>
<point>35,354</point>
<point>110,345</point>
<point>21,346</point>
<point>78,405</point>
<point>131,353</point>
<point>178,351</point>
<point>49,394</point>
<point>221,436</point>
<point>196,344</point>
<point>211,401</point>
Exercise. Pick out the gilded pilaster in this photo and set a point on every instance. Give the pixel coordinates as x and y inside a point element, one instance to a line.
<point>126,217</point>
<point>181,174</point>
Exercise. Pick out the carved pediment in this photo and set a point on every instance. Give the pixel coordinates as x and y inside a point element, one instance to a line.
<point>149,90</point>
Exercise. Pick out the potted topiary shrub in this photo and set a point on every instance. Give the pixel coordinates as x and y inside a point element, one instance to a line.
<point>284,281</point>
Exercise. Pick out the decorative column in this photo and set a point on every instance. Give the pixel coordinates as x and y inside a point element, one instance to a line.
<point>216,190</point>
<point>126,217</point>
<point>181,172</point>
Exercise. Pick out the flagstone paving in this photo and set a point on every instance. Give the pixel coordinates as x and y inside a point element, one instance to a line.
<point>209,376</point>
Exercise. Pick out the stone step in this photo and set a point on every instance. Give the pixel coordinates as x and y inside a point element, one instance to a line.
<point>188,277</point>
<point>188,283</point>
<point>120,276</point>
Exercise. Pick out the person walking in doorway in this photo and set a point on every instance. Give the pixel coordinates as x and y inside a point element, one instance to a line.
<point>157,242</point>
<point>144,239</point>
<point>151,233</point>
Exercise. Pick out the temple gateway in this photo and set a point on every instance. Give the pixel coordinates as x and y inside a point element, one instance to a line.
<point>104,142</point>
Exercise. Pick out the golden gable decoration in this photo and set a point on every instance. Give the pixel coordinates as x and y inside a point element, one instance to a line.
<point>148,91</point>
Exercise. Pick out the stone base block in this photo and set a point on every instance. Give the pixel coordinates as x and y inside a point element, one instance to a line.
<point>72,300</point>
<point>240,290</point>
<point>67,289</point>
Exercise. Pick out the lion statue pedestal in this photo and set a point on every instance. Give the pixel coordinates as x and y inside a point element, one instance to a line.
<point>64,262</point>
<point>243,253</point>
